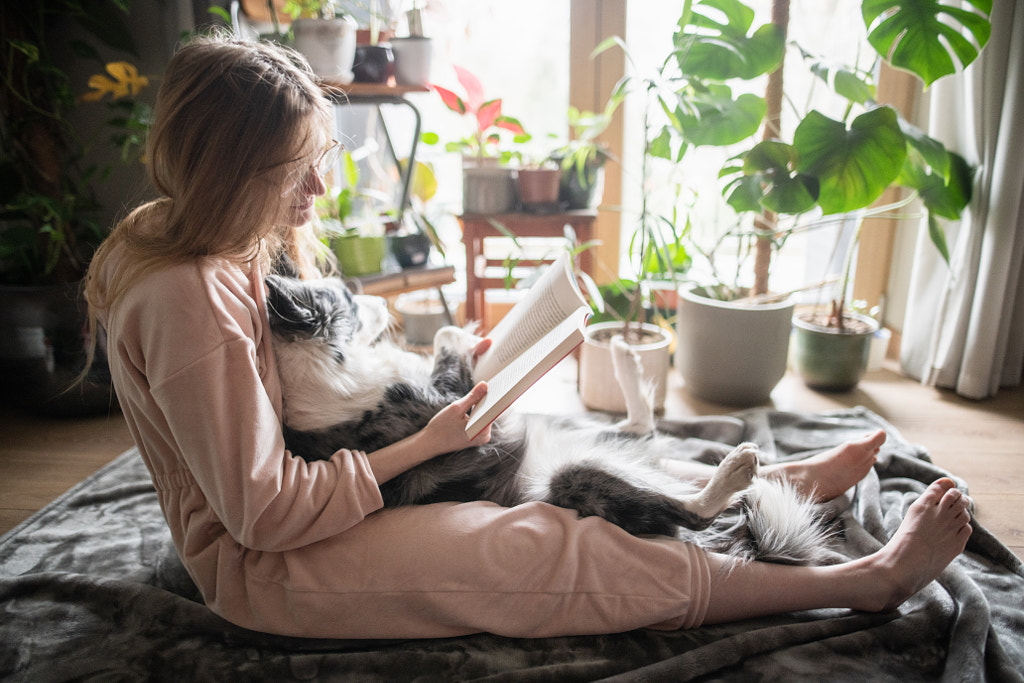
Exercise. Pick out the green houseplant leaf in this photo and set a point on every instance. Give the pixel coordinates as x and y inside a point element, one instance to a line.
<point>914,34</point>
<point>853,165</point>
<point>715,118</point>
<point>709,49</point>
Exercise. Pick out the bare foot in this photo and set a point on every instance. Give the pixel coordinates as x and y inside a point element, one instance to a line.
<point>826,475</point>
<point>932,534</point>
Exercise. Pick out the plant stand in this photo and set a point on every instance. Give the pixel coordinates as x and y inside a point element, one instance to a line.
<point>477,228</point>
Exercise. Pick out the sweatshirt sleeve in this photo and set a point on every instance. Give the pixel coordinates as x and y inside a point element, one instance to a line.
<point>230,438</point>
<point>197,359</point>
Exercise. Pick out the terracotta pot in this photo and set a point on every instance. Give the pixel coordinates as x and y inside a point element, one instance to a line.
<point>538,188</point>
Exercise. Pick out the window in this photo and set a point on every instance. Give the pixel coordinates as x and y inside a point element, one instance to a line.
<point>818,26</point>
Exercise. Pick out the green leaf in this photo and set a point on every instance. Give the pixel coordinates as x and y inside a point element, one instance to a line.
<point>709,49</point>
<point>938,237</point>
<point>783,189</point>
<point>914,34</point>
<point>932,152</point>
<point>713,117</point>
<point>947,197</point>
<point>846,81</point>
<point>853,166</point>
<point>661,146</point>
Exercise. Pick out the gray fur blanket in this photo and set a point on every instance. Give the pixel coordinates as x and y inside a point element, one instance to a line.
<point>90,589</point>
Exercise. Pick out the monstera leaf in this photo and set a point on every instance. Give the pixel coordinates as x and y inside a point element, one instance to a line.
<point>853,165</point>
<point>707,48</point>
<point>713,117</point>
<point>768,179</point>
<point>914,34</point>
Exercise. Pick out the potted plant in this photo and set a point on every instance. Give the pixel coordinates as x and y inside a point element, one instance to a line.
<point>417,235</point>
<point>635,308</point>
<point>413,53</point>
<point>353,221</point>
<point>828,168</point>
<point>325,34</point>
<point>539,185</point>
<point>489,183</point>
<point>583,158</point>
<point>49,215</point>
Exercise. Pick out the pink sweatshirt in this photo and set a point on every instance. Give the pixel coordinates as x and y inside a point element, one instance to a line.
<point>280,545</point>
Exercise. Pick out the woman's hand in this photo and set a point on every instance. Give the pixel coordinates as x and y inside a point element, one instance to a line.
<point>446,432</point>
<point>448,428</point>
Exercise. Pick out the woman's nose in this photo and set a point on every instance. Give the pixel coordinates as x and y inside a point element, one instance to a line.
<point>314,183</point>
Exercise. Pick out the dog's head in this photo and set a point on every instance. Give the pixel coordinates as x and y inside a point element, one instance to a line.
<point>324,311</point>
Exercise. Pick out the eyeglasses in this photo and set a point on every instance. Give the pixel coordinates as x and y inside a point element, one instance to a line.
<point>329,158</point>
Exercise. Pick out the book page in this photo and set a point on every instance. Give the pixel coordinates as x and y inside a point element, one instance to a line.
<point>547,303</point>
<point>511,381</point>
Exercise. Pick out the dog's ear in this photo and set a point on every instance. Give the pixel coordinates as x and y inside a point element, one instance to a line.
<point>284,266</point>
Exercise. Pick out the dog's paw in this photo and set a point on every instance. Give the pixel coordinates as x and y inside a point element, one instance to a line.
<point>455,339</point>
<point>738,468</point>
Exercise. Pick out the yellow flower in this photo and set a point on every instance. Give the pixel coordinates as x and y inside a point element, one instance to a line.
<point>126,81</point>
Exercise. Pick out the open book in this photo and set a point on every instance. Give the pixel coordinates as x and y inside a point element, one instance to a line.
<point>540,330</point>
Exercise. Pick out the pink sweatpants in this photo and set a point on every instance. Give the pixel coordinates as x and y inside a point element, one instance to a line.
<point>453,569</point>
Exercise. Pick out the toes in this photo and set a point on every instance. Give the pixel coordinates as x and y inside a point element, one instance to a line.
<point>938,489</point>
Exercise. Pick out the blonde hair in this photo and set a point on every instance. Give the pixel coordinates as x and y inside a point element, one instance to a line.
<point>233,122</point>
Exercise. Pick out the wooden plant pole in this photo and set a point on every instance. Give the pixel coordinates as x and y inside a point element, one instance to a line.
<point>772,129</point>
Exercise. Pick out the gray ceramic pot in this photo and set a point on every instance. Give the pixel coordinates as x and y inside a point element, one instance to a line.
<point>731,353</point>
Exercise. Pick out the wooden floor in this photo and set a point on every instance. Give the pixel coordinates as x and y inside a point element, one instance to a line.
<point>981,441</point>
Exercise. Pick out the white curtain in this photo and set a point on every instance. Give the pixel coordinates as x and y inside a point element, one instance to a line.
<point>964,327</point>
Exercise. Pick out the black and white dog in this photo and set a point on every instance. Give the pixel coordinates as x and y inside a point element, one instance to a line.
<point>347,385</point>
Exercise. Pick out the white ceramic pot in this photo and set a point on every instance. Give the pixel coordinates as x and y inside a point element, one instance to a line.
<point>731,353</point>
<point>422,316</point>
<point>329,45</point>
<point>412,60</point>
<point>598,387</point>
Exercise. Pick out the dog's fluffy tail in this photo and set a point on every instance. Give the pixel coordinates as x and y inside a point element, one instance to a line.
<point>773,523</point>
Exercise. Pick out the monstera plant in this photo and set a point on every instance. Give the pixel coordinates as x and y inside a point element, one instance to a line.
<point>787,181</point>
<point>824,166</point>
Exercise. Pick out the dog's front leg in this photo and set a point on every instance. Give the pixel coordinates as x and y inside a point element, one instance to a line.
<point>630,376</point>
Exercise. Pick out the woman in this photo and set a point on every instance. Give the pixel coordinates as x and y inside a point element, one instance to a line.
<point>304,549</point>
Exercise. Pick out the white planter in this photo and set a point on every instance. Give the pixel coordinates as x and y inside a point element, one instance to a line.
<point>423,314</point>
<point>329,45</point>
<point>598,387</point>
<point>412,60</point>
<point>732,354</point>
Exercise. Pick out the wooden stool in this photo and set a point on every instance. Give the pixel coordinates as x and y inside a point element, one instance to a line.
<point>476,228</point>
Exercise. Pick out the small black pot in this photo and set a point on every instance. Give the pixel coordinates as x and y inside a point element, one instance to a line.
<point>411,251</point>
<point>373,63</point>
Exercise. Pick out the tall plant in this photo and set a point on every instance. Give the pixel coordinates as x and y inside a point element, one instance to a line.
<point>827,167</point>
